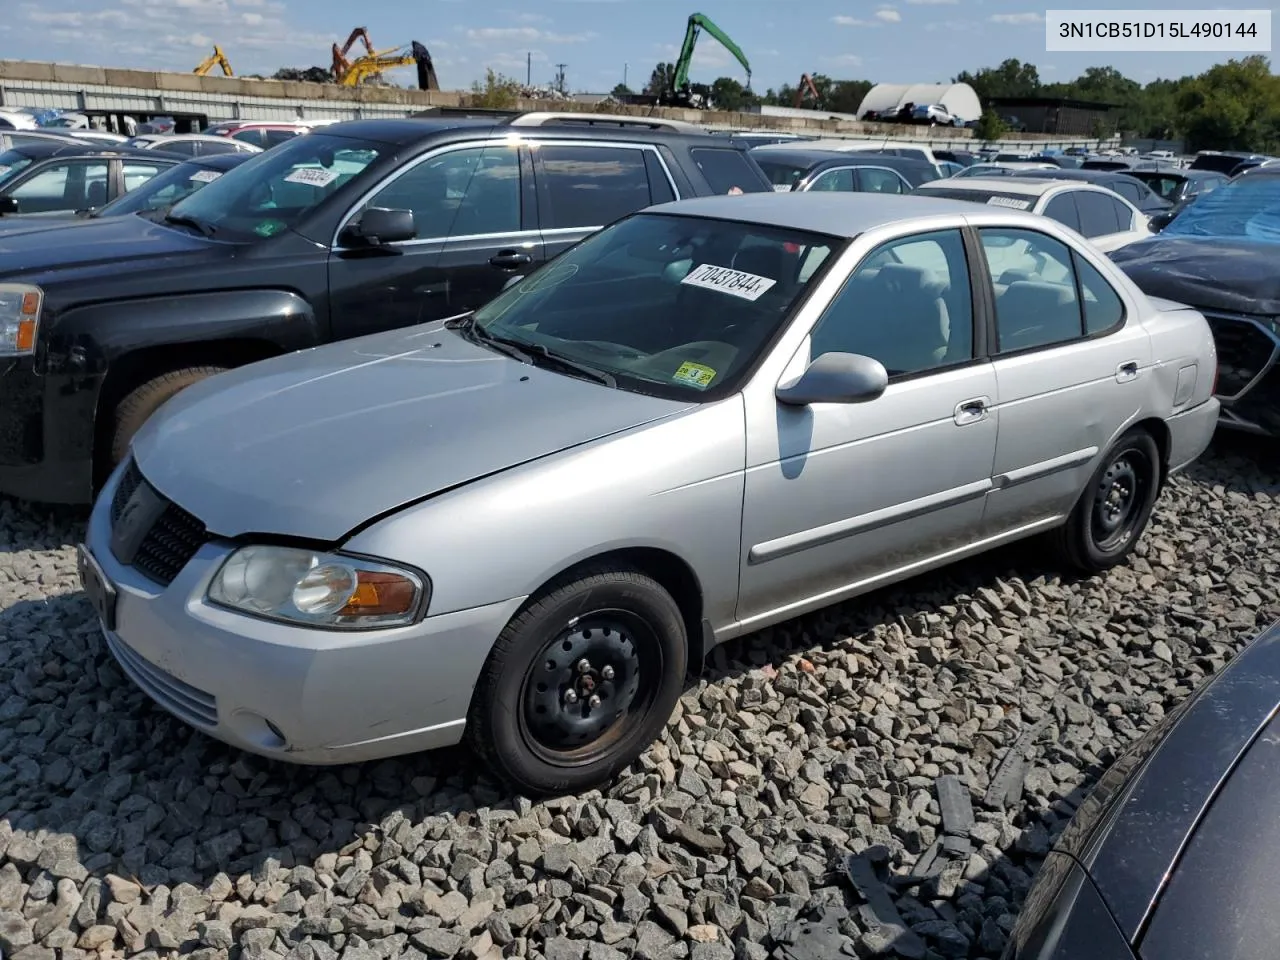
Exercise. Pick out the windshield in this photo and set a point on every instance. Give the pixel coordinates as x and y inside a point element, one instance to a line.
<point>276,189</point>
<point>11,161</point>
<point>784,176</point>
<point>1247,209</point>
<point>163,190</point>
<point>665,305</point>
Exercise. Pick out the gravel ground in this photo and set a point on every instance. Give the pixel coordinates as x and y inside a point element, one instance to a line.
<point>123,832</point>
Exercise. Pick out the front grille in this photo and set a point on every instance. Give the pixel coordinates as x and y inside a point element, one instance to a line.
<point>185,701</point>
<point>173,538</point>
<point>1244,351</point>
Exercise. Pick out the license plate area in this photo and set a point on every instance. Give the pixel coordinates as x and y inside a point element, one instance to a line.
<point>99,591</point>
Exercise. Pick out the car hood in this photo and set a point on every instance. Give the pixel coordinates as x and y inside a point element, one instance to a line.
<point>18,223</point>
<point>1210,273</point>
<point>117,241</point>
<point>316,443</point>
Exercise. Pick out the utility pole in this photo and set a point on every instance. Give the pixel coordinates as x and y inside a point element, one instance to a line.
<point>528,69</point>
<point>560,81</point>
<point>624,74</point>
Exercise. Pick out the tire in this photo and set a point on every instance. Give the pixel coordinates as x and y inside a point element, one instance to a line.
<point>529,731</point>
<point>144,400</point>
<point>1113,511</point>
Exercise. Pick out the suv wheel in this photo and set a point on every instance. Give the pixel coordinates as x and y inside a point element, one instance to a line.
<point>144,400</point>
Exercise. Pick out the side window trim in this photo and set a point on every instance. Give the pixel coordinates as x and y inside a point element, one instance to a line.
<point>610,145</point>
<point>354,210</point>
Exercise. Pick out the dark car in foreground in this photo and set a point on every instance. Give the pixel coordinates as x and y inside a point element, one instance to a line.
<point>801,170</point>
<point>359,227</point>
<point>1126,185</point>
<point>1174,853</point>
<point>1219,255</point>
<point>160,192</point>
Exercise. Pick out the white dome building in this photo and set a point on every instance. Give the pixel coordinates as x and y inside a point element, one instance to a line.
<point>959,98</point>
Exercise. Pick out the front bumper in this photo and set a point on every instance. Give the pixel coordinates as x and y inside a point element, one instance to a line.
<point>1190,433</point>
<point>46,434</point>
<point>291,693</point>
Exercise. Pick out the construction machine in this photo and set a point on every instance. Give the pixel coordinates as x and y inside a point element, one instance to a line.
<point>681,92</point>
<point>353,72</point>
<point>215,59</point>
<point>806,86</point>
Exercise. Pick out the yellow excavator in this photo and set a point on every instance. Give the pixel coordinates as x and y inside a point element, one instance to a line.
<point>215,59</point>
<point>352,72</point>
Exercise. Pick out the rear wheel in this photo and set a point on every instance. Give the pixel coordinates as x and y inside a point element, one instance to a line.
<point>1115,507</point>
<point>580,682</point>
<point>145,399</point>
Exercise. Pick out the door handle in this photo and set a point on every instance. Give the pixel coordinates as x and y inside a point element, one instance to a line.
<point>971,411</point>
<point>1127,371</point>
<point>510,260</point>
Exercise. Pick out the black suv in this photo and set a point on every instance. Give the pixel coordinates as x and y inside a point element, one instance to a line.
<point>354,228</point>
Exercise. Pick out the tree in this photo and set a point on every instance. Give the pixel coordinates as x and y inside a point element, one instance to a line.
<point>727,93</point>
<point>990,127</point>
<point>498,92</point>
<point>1012,78</point>
<point>620,91</point>
<point>661,80</point>
<point>1232,106</point>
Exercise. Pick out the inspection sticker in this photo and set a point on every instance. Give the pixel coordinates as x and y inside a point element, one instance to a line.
<point>1009,202</point>
<point>205,176</point>
<point>314,176</point>
<point>695,375</point>
<point>734,282</point>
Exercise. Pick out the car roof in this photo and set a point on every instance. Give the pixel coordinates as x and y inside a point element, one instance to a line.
<point>1020,185</point>
<point>410,130</point>
<point>834,214</point>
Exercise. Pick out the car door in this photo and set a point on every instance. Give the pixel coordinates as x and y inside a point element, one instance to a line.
<point>61,186</point>
<point>472,206</point>
<point>844,494</point>
<point>582,186</point>
<point>1071,363</point>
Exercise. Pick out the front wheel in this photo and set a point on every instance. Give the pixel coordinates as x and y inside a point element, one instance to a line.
<point>580,682</point>
<point>1114,508</point>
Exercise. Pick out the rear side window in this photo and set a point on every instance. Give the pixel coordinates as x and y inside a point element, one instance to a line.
<point>1130,191</point>
<point>1097,214</point>
<point>278,136</point>
<point>879,180</point>
<point>252,135</point>
<point>589,186</point>
<point>1103,308</point>
<point>839,181</point>
<point>725,169</point>
<point>1063,209</point>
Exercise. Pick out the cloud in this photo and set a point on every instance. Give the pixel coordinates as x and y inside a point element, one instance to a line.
<point>1016,18</point>
<point>888,15</point>
<point>882,16</point>
<point>523,35</point>
<point>845,60</point>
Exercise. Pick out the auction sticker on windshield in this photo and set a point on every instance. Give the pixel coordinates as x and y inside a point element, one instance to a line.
<point>205,176</point>
<point>748,286</point>
<point>313,176</point>
<point>695,375</point>
<point>1009,202</point>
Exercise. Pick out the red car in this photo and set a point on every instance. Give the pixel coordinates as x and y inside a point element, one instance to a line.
<point>260,133</point>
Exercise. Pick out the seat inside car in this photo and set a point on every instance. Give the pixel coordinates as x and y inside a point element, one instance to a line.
<point>1030,313</point>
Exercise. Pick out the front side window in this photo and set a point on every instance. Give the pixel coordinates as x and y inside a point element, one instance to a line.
<point>1035,289</point>
<point>782,174</point>
<point>725,169</point>
<point>587,186</point>
<point>275,190</point>
<point>839,181</point>
<point>667,305</point>
<point>908,305</point>
<point>273,137</point>
<point>72,185</point>
<point>874,180</point>
<point>469,192</point>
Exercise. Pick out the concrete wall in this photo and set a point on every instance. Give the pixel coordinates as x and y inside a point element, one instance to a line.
<point>26,83</point>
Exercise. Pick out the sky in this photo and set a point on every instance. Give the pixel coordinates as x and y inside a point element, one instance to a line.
<point>600,42</point>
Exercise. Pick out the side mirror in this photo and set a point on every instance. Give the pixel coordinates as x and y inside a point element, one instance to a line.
<point>378,225</point>
<point>1161,220</point>
<point>836,378</point>
<point>8,205</point>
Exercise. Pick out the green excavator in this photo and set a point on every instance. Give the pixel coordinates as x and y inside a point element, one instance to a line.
<point>681,92</point>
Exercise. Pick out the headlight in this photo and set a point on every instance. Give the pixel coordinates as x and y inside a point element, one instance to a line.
<point>19,318</point>
<point>318,589</point>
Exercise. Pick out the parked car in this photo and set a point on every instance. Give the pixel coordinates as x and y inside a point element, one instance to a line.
<point>1172,852</point>
<point>962,157</point>
<point>260,133</point>
<point>51,179</point>
<point>1132,189</point>
<point>362,226</point>
<point>16,120</point>
<point>1223,161</point>
<point>1003,168</point>
<point>191,144</point>
<point>1179,186</point>
<point>914,151</point>
<point>159,193</point>
<point>564,498</point>
<point>935,113</point>
<point>1219,254</point>
<point>801,169</point>
<point>1108,221</point>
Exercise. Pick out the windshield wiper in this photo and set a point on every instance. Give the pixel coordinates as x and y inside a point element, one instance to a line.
<point>205,229</point>
<point>523,350</point>
<point>565,365</point>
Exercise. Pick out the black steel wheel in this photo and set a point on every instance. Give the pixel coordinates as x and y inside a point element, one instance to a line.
<point>1114,509</point>
<point>580,682</point>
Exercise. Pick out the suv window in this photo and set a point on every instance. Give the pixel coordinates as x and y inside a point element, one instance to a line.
<point>588,186</point>
<point>467,192</point>
<point>725,169</point>
<point>1036,302</point>
<point>875,180</point>
<point>908,305</point>
<point>1097,214</point>
<point>71,185</point>
<point>1063,209</point>
<point>834,180</point>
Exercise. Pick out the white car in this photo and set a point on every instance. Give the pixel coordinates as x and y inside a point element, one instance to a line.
<point>16,120</point>
<point>1106,219</point>
<point>191,144</point>
<point>1004,168</point>
<point>898,148</point>
<point>935,113</point>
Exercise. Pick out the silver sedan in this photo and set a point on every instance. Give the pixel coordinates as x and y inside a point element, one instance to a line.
<point>523,526</point>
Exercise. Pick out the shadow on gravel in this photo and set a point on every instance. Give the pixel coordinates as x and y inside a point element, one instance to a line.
<point>33,527</point>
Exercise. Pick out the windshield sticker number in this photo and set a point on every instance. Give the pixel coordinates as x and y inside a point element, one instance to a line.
<point>695,375</point>
<point>1009,202</point>
<point>781,188</point>
<point>748,286</point>
<point>205,176</point>
<point>312,176</point>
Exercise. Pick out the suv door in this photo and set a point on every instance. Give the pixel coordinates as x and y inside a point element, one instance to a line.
<point>837,495</point>
<point>472,205</point>
<point>585,185</point>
